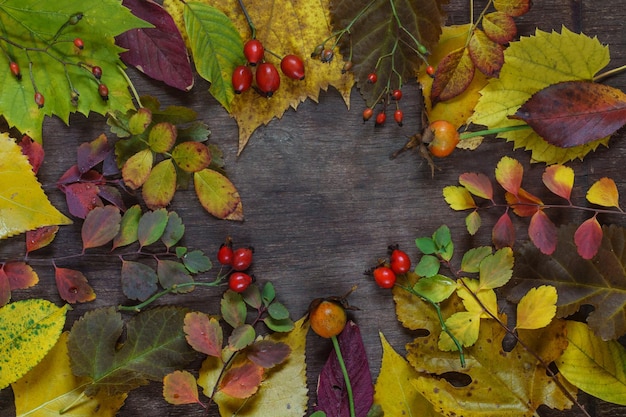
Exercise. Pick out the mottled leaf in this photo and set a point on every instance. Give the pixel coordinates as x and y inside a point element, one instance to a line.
<point>537,308</point>
<point>588,238</point>
<point>233,309</point>
<point>73,286</point>
<point>82,197</point>
<point>100,226</point>
<point>19,274</point>
<point>139,281</point>
<point>204,333</point>
<point>174,230</point>
<point>487,55</point>
<point>162,137</point>
<point>173,273</point>
<point>158,190</point>
<point>513,7</point>
<point>179,387</point>
<point>453,75</point>
<point>241,337</point>
<point>500,27</point>
<point>191,156</point>
<point>603,193</point>
<point>465,326</point>
<point>90,154</point>
<point>559,179</point>
<point>524,204</point>
<point>136,169</point>
<point>218,195</point>
<point>542,232</point>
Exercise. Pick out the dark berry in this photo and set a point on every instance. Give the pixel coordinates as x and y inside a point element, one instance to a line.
<point>327,55</point>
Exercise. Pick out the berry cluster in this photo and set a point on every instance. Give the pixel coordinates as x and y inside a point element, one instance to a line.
<point>239,260</point>
<point>266,75</point>
<point>386,272</point>
<point>381,116</point>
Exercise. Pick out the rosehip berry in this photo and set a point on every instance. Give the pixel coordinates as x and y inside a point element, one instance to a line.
<point>396,94</point>
<point>398,115</point>
<point>242,259</point>
<point>267,79</point>
<point>293,67</point>
<point>399,261</point>
<point>317,51</point>
<point>239,281</point>
<point>225,254</point>
<point>367,114</point>
<point>78,42</point>
<point>39,99</point>
<point>327,318</point>
<point>15,70</point>
<point>327,55</point>
<point>384,277</point>
<point>96,71</point>
<point>445,139</point>
<point>372,78</point>
<point>347,67</point>
<point>253,51</point>
<point>103,90</point>
<point>380,119</point>
<point>430,70</point>
<point>242,78</point>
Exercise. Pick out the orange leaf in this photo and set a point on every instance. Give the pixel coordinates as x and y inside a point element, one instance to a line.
<point>604,193</point>
<point>509,174</point>
<point>588,238</point>
<point>454,74</point>
<point>477,184</point>
<point>499,27</point>
<point>73,286</point>
<point>559,179</point>
<point>543,232</point>
<point>242,380</point>
<point>204,334</point>
<point>513,7</point>
<point>41,237</point>
<point>487,55</point>
<point>20,275</point>
<point>180,387</point>
<point>503,232</point>
<point>524,204</point>
<point>574,113</point>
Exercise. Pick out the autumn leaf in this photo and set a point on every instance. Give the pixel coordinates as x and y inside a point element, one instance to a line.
<point>34,152</point>
<point>73,286</point>
<point>40,237</point>
<point>151,226</point>
<point>139,281</point>
<point>218,195</point>
<point>588,238</point>
<point>477,184</point>
<point>15,275</point>
<point>486,54</point>
<point>495,270</point>
<point>100,226</point>
<point>603,193</point>
<point>179,387</point>
<point>503,232</point>
<point>128,227</point>
<point>241,380</point>
<point>594,365</point>
<point>537,308</point>
<point>160,187</point>
<point>542,232</point>
<point>458,198</point>
<point>28,330</point>
<point>559,179</point>
<point>23,204</point>
<point>499,27</point>
<point>531,64</point>
<point>454,74</point>
<point>509,173</point>
<point>32,26</point>
<point>203,333</point>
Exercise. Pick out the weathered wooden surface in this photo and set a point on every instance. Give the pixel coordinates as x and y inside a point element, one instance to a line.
<point>322,200</point>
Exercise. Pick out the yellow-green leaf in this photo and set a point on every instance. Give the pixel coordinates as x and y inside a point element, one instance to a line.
<point>162,137</point>
<point>23,204</point>
<point>218,195</point>
<point>473,222</point>
<point>137,169</point>
<point>594,365</point>
<point>465,326</point>
<point>394,391</point>
<point>537,308</point>
<point>486,296</point>
<point>51,387</point>
<point>604,193</point>
<point>158,190</point>
<point>28,330</point>
<point>497,269</point>
<point>458,198</point>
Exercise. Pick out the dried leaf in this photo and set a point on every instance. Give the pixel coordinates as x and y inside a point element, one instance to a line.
<point>73,286</point>
<point>537,308</point>
<point>588,238</point>
<point>559,179</point>
<point>179,387</point>
<point>487,55</point>
<point>101,226</point>
<point>452,77</point>
<point>542,232</point>
<point>603,193</point>
<point>500,27</point>
<point>218,195</point>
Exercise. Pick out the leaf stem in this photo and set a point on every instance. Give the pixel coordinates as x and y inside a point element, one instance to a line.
<point>468,135</point>
<point>131,86</point>
<point>137,308</point>
<point>609,73</point>
<point>248,19</point>
<point>346,377</point>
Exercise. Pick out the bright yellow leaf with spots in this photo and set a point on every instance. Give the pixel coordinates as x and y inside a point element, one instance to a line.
<point>604,193</point>
<point>531,64</point>
<point>28,330</point>
<point>465,326</point>
<point>537,308</point>
<point>23,204</point>
<point>51,387</point>
<point>458,198</point>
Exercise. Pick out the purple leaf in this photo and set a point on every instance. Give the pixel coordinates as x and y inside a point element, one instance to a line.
<point>158,52</point>
<point>332,397</point>
<point>90,154</point>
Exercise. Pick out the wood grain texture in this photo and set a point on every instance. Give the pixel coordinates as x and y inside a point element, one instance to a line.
<point>322,201</point>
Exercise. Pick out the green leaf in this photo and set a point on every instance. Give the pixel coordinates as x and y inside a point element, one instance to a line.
<point>473,257</point>
<point>427,266</point>
<point>28,330</point>
<point>139,122</point>
<point>252,296</point>
<point>216,46</point>
<point>268,294</point>
<point>158,190</point>
<point>277,311</point>
<point>218,195</point>
<point>442,237</point>
<point>281,326</point>
<point>31,24</point>
<point>435,288</point>
<point>497,269</point>
<point>172,273</point>
<point>128,227</point>
<point>426,245</point>
<point>233,309</point>
<point>241,337</point>
<point>174,230</point>
<point>196,261</point>
<point>155,346</point>
<point>152,226</point>
<point>139,281</point>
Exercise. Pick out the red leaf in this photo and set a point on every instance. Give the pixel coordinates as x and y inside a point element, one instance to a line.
<point>204,334</point>
<point>588,238</point>
<point>454,74</point>
<point>81,198</point>
<point>39,238</point>
<point>477,184</point>
<point>242,380</point>
<point>524,204</point>
<point>503,232</point>
<point>573,113</point>
<point>159,52</point>
<point>180,387</point>
<point>73,286</point>
<point>267,353</point>
<point>20,275</point>
<point>34,151</point>
<point>90,154</point>
<point>332,396</point>
<point>543,232</point>
<point>112,195</point>
<point>100,226</point>
<point>5,288</point>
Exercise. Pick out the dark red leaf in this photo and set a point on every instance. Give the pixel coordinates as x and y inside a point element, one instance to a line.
<point>34,151</point>
<point>20,275</point>
<point>543,232</point>
<point>159,52</point>
<point>112,195</point>
<point>332,397</point>
<point>90,154</point>
<point>454,74</point>
<point>588,238</point>
<point>73,286</point>
<point>267,353</point>
<point>5,288</point>
<point>39,238</point>
<point>82,198</point>
<point>503,232</point>
<point>573,113</point>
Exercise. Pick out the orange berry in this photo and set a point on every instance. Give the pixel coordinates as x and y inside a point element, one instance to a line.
<point>445,138</point>
<point>327,318</point>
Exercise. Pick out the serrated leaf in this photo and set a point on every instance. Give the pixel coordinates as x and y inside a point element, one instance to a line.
<point>588,238</point>
<point>278,311</point>
<point>159,52</point>
<point>279,326</point>
<point>191,156</point>
<point>603,193</point>
<point>162,137</point>
<point>100,226</point>
<point>155,346</point>
<point>477,184</point>
<point>464,325</point>
<point>472,258</point>
<point>470,290</point>
<point>23,204</point>
<point>204,333</point>
<point>241,337</point>
<point>233,309</point>
<point>128,227</point>
<point>453,76</point>
<point>267,353</point>
<point>34,152</point>
<point>426,245</point>
<point>158,190</point>
<point>496,270</point>
<point>436,288</point>
<point>513,7</point>
<point>82,197</point>
<point>151,226</point>
<point>73,286</point>
<point>28,330</point>
<point>174,230</point>
<point>268,293</point>
<point>503,232</point>
<point>218,195</point>
<point>139,121</point>
<point>458,197</point>
<point>487,55</point>
<point>136,169</point>
<point>179,387</point>
<point>173,273</point>
<point>139,281</point>
<point>196,261</point>
<point>542,232</point>
<point>537,308</point>
<point>559,179</point>
<point>241,380</point>
<point>500,27</point>
<point>427,266</point>
<point>509,173</point>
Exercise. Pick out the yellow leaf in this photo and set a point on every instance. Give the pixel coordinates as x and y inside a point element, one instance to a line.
<point>137,169</point>
<point>537,308</point>
<point>594,365</point>
<point>531,64</point>
<point>23,204</point>
<point>28,330</point>
<point>458,198</point>
<point>465,326</point>
<point>604,193</point>
<point>394,391</point>
<point>486,296</point>
<point>158,190</point>
<point>51,387</point>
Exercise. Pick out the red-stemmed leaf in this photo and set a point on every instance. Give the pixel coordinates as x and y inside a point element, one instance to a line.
<point>242,380</point>
<point>100,226</point>
<point>332,397</point>
<point>573,113</point>
<point>503,232</point>
<point>509,173</point>
<point>73,286</point>
<point>90,154</point>
<point>453,75</point>
<point>267,353</point>
<point>542,232</point>
<point>500,27</point>
<point>139,281</point>
<point>487,55</point>
<point>477,184</point>
<point>39,238</point>
<point>204,334</point>
<point>560,180</point>
<point>524,204</point>
<point>180,387</point>
<point>20,275</point>
<point>588,238</point>
<point>33,151</point>
<point>159,52</point>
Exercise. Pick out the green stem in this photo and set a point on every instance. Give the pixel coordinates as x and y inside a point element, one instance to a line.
<point>346,377</point>
<point>248,19</point>
<point>137,308</point>
<point>467,135</point>
<point>609,73</point>
<point>130,85</point>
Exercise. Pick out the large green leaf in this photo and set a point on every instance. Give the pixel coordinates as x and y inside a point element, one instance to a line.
<point>30,26</point>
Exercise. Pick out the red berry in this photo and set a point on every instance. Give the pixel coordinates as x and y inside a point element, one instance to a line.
<point>398,115</point>
<point>78,42</point>
<point>96,71</point>
<point>381,118</point>
<point>39,99</point>
<point>399,261</point>
<point>327,55</point>
<point>430,70</point>
<point>367,114</point>
<point>242,79</point>
<point>384,277</point>
<point>372,78</point>
<point>254,51</point>
<point>239,281</point>
<point>267,79</point>
<point>293,67</point>
<point>15,70</point>
<point>225,254</point>
<point>396,94</point>
<point>103,90</point>
<point>242,259</point>
<point>347,67</point>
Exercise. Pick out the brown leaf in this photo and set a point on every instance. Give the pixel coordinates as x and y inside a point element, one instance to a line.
<point>454,74</point>
<point>573,113</point>
<point>499,27</point>
<point>487,55</point>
